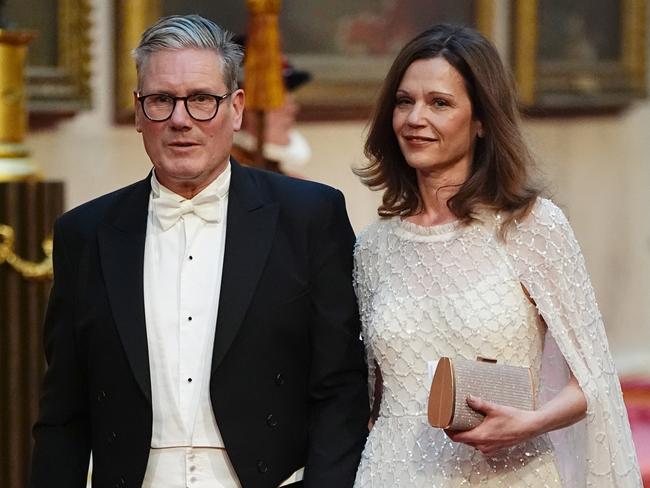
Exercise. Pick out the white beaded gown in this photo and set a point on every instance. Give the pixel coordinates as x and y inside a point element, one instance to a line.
<point>457,291</point>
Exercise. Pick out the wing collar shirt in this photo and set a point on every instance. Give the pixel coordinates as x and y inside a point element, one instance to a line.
<point>183,262</point>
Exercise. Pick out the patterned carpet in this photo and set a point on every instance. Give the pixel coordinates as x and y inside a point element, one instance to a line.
<point>636,392</point>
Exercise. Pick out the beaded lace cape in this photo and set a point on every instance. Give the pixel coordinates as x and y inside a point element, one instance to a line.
<point>542,253</point>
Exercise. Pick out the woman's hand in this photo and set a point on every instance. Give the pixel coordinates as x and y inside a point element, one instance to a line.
<point>506,426</point>
<point>502,427</point>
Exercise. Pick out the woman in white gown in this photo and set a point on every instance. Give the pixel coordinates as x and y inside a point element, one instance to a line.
<point>468,260</point>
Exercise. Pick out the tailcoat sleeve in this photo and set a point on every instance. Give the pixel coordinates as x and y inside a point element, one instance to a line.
<point>337,382</point>
<point>547,258</point>
<point>62,434</point>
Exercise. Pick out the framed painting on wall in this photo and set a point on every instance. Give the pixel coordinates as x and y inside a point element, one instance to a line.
<point>579,56</point>
<point>58,63</point>
<point>347,46</point>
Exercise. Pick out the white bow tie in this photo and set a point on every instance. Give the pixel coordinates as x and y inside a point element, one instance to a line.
<point>168,210</point>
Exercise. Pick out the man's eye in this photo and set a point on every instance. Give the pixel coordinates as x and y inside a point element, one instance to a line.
<point>200,98</point>
<point>160,99</point>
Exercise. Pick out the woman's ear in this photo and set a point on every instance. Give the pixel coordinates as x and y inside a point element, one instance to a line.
<point>479,129</point>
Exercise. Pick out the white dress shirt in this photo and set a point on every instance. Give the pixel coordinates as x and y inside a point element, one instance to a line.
<point>182,281</point>
<point>183,263</point>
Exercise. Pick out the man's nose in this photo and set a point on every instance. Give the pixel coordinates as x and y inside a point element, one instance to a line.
<point>180,116</point>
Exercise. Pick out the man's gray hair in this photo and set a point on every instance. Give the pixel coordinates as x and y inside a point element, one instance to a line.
<point>190,32</point>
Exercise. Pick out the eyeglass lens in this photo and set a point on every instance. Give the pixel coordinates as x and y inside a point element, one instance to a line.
<point>200,107</point>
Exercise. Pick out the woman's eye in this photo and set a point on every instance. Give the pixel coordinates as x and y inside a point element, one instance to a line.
<point>402,101</point>
<point>439,102</point>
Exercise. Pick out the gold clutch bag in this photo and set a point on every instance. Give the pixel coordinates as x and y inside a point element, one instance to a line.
<point>454,380</point>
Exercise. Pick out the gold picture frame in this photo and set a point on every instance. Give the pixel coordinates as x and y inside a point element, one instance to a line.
<point>570,57</point>
<point>60,84</point>
<point>345,87</point>
<point>336,92</point>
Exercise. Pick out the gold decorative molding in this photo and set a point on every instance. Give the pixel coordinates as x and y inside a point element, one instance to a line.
<point>485,17</point>
<point>74,44</point>
<point>64,87</point>
<point>525,43</point>
<point>132,18</point>
<point>584,79</point>
<point>19,169</point>
<point>28,269</point>
<point>634,19</point>
<point>12,150</point>
<point>13,114</point>
<point>15,164</point>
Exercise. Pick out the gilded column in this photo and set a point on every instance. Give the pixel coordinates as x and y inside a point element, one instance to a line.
<point>28,208</point>
<point>15,164</point>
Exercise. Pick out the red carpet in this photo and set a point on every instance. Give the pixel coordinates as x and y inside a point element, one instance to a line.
<point>637,400</point>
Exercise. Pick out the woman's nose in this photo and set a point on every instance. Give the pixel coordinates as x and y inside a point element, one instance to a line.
<point>415,115</point>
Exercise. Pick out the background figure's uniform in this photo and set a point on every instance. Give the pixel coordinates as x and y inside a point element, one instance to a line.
<point>287,380</point>
<point>285,149</point>
<point>287,159</point>
<point>452,290</point>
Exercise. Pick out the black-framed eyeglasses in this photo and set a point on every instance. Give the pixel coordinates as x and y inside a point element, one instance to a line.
<point>159,107</point>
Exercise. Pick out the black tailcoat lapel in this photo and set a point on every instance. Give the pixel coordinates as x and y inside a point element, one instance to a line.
<point>250,229</point>
<point>121,247</point>
<point>251,225</point>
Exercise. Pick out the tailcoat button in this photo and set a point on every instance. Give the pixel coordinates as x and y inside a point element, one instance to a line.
<point>262,467</point>
<point>271,421</point>
<point>112,437</point>
<point>101,395</point>
<point>279,379</point>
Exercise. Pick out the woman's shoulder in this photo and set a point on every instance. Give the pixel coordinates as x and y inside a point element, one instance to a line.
<point>544,214</point>
<point>544,232</point>
<point>373,234</point>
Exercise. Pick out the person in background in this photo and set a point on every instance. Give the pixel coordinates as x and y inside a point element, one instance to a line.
<point>285,149</point>
<point>202,330</point>
<point>468,260</point>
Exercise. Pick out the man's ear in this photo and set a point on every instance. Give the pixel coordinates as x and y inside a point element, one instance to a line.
<point>138,112</point>
<point>237,99</point>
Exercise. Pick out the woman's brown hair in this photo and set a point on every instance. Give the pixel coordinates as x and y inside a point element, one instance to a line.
<point>500,172</point>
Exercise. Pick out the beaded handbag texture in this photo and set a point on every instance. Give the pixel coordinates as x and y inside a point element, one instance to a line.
<point>454,380</point>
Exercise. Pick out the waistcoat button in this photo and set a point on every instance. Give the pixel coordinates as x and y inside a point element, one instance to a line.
<point>262,467</point>
<point>271,421</point>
